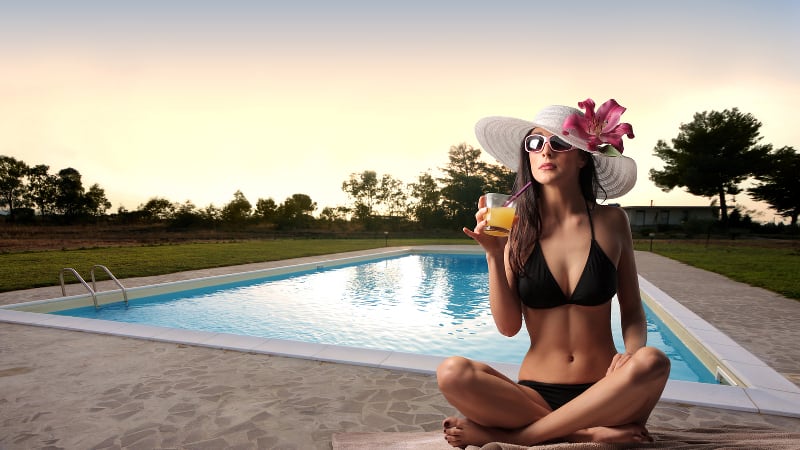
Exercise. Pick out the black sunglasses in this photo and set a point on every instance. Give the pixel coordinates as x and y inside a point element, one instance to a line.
<point>534,143</point>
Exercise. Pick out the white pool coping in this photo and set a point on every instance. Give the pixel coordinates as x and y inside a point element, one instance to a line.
<point>760,388</point>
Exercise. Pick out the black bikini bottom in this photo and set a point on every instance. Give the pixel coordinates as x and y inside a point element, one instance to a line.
<point>556,395</point>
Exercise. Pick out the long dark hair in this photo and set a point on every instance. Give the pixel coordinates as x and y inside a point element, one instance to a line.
<point>529,227</point>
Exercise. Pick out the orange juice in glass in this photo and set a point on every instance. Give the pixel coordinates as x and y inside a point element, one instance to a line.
<point>500,216</point>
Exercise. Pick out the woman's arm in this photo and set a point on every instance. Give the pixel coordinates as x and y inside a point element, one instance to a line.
<point>504,302</point>
<point>633,320</point>
<point>503,299</point>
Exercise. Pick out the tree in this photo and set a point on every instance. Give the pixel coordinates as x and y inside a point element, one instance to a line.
<point>467,178</point>
<point>780,185</point>
<point>363,189</point>
<point>266,208</point>
<point>95,200</point>
<point>427,210</point>
<point>296,210</point>
<point>186,215</point>
<point>373,196</point>
<point>392,196</point>
<point>238,210</point>
<point>211,214</point>
<point>42,189</point>
<point>12,173</point>
<point>157,209</point>
<point>465,161</point>
<point>331,215</point>
<point>70,200</point>
<point>499,179</point>
<point>300,204</point>
<point>712,155</point>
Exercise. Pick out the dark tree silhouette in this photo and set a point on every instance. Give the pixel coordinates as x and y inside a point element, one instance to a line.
<point>712,155</point>
<point>780,185</point>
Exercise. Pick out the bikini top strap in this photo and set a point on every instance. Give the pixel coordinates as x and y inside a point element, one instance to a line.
<point>591,224</point>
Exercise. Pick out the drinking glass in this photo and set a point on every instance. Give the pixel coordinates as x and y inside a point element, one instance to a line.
<point>500,216</point>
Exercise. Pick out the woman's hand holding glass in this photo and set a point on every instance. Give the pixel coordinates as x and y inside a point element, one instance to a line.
<point>488,242</point>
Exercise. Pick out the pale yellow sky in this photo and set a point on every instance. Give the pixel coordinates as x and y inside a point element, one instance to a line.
<point>196,102</point>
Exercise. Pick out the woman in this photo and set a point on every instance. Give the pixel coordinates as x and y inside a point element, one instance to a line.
<point>565,258</point>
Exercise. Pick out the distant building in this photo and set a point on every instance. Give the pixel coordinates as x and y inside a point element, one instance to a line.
<point>654,216</point>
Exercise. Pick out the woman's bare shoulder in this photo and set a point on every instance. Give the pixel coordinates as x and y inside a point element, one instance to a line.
<point>613,216</point>
<point>612,228</point>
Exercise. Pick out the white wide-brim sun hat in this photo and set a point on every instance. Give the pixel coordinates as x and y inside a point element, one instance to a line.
<point>502,138</point>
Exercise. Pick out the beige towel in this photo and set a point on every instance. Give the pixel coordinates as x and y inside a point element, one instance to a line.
<point>428,440</point>
<point>696,438</point>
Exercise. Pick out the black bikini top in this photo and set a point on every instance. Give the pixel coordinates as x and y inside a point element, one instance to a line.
<point>598,283</point>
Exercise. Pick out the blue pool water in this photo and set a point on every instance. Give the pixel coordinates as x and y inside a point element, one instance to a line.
<point>435,304</point>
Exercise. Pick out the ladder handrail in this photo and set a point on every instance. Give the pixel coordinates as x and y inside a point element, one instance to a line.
<point>108,272</point>
<point>80,278</point>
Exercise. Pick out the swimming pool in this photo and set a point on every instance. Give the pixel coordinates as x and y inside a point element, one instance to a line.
<point>423,303</point>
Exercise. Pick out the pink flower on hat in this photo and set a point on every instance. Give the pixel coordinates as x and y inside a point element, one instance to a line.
<point>601,128</point>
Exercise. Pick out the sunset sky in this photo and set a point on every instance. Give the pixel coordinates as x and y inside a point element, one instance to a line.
<point>194,100</point>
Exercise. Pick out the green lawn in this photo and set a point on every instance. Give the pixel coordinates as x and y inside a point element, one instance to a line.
<point>35,269</point>
<point>774,268</point>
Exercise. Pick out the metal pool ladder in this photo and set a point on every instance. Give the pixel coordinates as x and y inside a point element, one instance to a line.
<point>93,289</point>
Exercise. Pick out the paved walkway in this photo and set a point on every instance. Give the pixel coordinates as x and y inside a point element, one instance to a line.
<point>764,323</point>
<point>75,390</point>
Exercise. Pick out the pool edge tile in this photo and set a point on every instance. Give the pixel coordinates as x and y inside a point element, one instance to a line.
<point>139,331</point>
<point>289,348</point>
<point>765,377</point>
<point>710,395</point>
<point>736,354</point>
<point>238,342</point>
<point>188,337</point>
<point>412,362</point>
<point>72,323</point>
<point>25,317</point>
<point>776,402</point>
<point>353,355</point>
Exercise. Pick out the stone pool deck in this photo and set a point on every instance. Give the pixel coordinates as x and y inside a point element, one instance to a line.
<point>71,389</point>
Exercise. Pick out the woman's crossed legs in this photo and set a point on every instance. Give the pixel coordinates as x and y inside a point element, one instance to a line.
<point>497,409</point>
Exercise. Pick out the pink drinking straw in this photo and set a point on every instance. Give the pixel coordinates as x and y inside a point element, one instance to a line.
<point>519,192</point>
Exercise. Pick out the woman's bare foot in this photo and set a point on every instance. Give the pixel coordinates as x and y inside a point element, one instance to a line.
<point>631,432</point>
<point>463,432</point>
<point>460,432</point>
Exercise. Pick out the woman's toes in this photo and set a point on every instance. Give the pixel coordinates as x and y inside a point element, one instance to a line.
<point>451,422</point>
